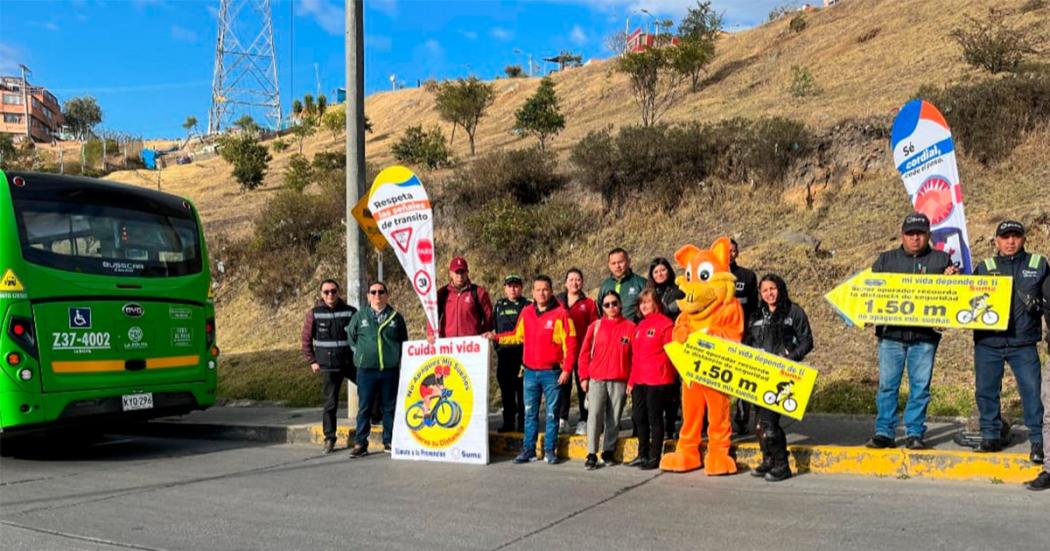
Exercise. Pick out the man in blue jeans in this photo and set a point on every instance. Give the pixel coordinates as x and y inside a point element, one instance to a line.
<point>911,348</point>
<point>1016,345</point>
<point>549,351</point>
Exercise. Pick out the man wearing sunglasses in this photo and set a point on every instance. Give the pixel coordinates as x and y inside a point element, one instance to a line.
<point>375,334</point>
<point>324,344</point>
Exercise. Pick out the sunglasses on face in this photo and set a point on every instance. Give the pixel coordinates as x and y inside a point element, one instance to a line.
<point>610,304</point>
<point>377,292</point>
<point>330,292</point>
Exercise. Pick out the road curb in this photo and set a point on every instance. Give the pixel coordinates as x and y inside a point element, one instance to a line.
<point>819,459</point>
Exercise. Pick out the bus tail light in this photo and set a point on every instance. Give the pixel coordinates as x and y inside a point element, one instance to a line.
<point>209,331</point>
<point>14,359</point>
<point>20,330</point>
<point>26,374</point>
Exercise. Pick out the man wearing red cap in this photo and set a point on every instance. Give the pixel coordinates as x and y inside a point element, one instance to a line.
<point>464,309</point>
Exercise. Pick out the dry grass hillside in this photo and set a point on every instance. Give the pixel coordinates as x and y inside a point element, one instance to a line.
<point>867,57</point>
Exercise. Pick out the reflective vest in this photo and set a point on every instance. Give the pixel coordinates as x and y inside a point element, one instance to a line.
<point>331,346</point>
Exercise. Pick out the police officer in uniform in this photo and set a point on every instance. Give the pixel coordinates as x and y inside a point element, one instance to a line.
<point>1016,345</point>
<point>324,344</point>
<point>508,356</point>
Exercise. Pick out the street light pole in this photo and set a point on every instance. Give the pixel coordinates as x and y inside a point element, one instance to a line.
<point>356,267</point>
<point>25,100</point>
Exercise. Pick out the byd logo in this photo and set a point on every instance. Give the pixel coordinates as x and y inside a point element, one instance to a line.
<point>133,310</point>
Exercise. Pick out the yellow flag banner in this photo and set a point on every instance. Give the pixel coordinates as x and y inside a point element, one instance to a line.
<point>924,300</point>
<point>770,381</point>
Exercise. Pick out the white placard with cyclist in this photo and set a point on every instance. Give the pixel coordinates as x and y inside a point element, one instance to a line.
<point>442,401</point>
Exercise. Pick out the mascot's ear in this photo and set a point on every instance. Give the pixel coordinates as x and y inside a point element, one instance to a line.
<point>720,250</point>
<point>683,255</point>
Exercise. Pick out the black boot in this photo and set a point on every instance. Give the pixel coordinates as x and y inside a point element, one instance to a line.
<point>781,470</point>
<point>767,458</point>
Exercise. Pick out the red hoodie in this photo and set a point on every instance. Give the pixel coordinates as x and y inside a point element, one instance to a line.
<point>649,363</point>
<point>548,337</point>
<point>605,354</point>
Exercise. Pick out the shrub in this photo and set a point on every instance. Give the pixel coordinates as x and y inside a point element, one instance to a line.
<point>773,147</point>
<point>249,159</point>
<point>505,228</point>
<point>1033,5</point>
<point>328,161</point>
<point>513,71</point>
<point>869,35</point>
<point>992,44</point>
<point>299,173</point>
<point>798,23</point>
<point>526,176</point>
<point>802,82</point>
<point>422,147</point>
<point>279,145</point>
<point>989,119</point>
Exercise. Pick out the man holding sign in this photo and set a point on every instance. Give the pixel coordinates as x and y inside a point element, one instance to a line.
<point>1017,344</point>
<point>903,347</point>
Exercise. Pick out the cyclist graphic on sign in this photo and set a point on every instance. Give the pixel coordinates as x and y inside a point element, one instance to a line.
<point>434,418</point>
<point>979,309</point>
<point>782,397</point>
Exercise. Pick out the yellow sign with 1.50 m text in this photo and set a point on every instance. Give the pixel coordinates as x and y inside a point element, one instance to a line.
<point>924,300</point>
<point>770,381</point>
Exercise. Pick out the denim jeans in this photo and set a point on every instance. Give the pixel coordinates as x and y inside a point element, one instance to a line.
<point>372,382</point>
<point>894,357</point>
<point>988,365</point>
<point>541,383</point>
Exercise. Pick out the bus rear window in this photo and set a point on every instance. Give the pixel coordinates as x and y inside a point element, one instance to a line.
<point>108,240</point>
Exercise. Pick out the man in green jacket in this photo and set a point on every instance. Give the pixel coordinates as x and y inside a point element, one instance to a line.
<point>375,335</point>
<point>625,282</point>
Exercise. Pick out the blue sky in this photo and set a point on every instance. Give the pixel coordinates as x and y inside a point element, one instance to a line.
<point>149,63</point>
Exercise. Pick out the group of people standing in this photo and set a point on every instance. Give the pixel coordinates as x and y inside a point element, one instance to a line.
<point>613,347</point>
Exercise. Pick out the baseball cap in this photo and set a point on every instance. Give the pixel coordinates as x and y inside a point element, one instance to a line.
<point>512,278</point>
<point>1009,226</point>
<point>458,263</point>
<point>915,221</point>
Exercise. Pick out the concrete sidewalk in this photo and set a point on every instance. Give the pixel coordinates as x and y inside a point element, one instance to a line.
<point>819,444</point>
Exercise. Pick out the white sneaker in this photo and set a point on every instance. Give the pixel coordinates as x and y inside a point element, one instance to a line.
<point>563,426</point>
<point>581,428</point>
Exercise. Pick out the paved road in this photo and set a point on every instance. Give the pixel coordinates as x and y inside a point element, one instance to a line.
<point>150,493</point>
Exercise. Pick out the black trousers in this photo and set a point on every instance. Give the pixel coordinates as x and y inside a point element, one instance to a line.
<point>331,382</point>
<point>772,438</point>
<point>648,403</point>
<point>673,405</point>
<point>565,397</point>
<point>511,386</point>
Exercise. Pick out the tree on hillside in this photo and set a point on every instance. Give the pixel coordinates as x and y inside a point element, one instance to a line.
<point>540,114</point>
<point>322,105</point>
<point>335,122</point>
<point>616,42</point>
<point>994,45</point>
<point>190,126</point>
<point>304,128</point>
<point>297,107</point>
<point>697,34</point>
<point>248,125</point>
<point>463,102</point>
<point>308,105</point>
<point>513,71</point>
<point>655,82</point>
<point>249,159</point>
<point>82,114</point>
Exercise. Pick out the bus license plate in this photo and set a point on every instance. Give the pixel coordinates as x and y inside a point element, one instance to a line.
<point>134,402</point>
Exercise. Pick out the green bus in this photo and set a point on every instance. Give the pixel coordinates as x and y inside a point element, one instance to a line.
<point>105,305</point>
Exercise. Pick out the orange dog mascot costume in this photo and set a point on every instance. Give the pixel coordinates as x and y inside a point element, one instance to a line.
<point>710,306</point>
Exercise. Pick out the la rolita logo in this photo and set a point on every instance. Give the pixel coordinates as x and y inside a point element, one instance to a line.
<point>425,250</point>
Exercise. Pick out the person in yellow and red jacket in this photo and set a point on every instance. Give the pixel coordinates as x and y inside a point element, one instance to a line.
<point>605,366</point>
<point>548,356</point>
<point>652,382</point>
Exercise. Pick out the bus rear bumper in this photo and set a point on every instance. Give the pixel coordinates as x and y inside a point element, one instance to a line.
<point>27,412</point>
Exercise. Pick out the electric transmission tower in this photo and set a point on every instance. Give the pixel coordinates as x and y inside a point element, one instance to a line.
<point>245,80</point>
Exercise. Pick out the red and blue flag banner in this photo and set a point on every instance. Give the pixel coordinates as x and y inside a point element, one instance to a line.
<point>924,154</point>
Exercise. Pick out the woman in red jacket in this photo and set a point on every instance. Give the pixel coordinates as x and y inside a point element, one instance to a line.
<point>582,311</point>
<point>605,366</point>
<point>652,379</point>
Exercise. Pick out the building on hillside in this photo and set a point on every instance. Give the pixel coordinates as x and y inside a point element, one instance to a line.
<point>17,100</point>
<point>640,40</point>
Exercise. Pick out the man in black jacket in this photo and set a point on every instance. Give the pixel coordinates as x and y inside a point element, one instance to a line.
<point>508,356</point>
<point>1016,345</point>
<point>324,344</point>
<point>1042,482</point>
<point>747,294</point>
<point>913,348</point>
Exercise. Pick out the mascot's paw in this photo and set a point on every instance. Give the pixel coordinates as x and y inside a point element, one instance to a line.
<point>719,463</point>
<point>680,462</point>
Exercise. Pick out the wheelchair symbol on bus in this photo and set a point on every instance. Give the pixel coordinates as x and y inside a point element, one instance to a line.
<point>79,318</point>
